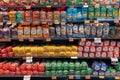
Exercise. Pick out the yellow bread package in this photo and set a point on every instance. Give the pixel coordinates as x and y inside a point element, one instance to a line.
<point>22,51</point>
<point>46,48</point>
<point>16,51</point>
<point>68,54</point>
<point>51,48</point>
<point>119,13</point>
<point>74,48</point>
<point>74,54</point>
<point>68,48</point>
<point>34,51</point>
<point>57,50</point>
<point>62,53</point>
<point>27,49</point>
<point>52,54</point>
<point>28,54</point>
<point>40,51</point>
<point>46,54</point>
<point>62,48</point>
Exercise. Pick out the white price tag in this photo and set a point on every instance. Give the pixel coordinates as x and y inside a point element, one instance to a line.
<point>85,5</point>
<point>74,57</point>
<point>26,77</point>
<point>97,40</point>
<point>114,59</point>
<point>29,59</point>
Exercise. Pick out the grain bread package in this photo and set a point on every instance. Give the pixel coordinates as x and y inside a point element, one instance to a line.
<point>33,31</point>
<point>20,31</point>
<point>39,31</point>
<point>27,31</point>
<point>35,17</point>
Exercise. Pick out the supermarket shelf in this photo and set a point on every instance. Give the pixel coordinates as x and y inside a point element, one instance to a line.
<point>51,39</point>
<point>44,57</point>
<point>33,77</point>
<point>100,20</point>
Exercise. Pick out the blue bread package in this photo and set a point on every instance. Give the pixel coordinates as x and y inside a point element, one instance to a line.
<point>75,31</point>
<point>84,12</point>
<point>87,30</point>
<point>79,14</point>
<point>74,14</point>
<point>99,30</point>
<point>93,30</point>
<point>63,31</point>
<point>58,31</point>
<point>81,31</point>
<point>69,30</point>
<point>105,30</point>
<point>69,14</point>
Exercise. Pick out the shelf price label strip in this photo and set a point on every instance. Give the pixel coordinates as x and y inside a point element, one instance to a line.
<point>54,78</point>
<point>27,77</point>
<point>5,40</point>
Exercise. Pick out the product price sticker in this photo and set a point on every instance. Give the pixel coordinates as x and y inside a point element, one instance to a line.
<point>27,77</point>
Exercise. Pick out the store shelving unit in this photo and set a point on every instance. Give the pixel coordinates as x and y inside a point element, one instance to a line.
<point>54,40</point>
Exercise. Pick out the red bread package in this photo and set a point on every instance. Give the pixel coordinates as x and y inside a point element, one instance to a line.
<point>88,43</point>
<point>3,51</point>
<point>41,67</point>
<point>7,66</point>
<point>110,54</point>
<point>1,71</point>
<point>92,49</point>
<point>1,65</point>
<point>105,48</point>
<point>106,43</point>
<point>35,66</point>
<point>111,48</point>
<point>43,16</point>
<point>98,54</point>
<point>29,67</point>
<point>86,49</point>
<point>113,43</point>
<point>80,54</point>
<point>14,66</point>
<point>116,49</point>
<point>18,72</point>
<point>41,73</point>
<point>35,72</point>
<point>99,49</point>
<point>118,44</point>
<point>9,49</point>
<point>29,72</point>
<point>6,72</point>
<point>81,43</point>
<point>80,49</point>
<point>27,16</point>
<point>5,55</point>
<point>22,67</point>
<point>24,72</point>
<point>35,17</point>
<point>11,54</point>
<point>104,55</point>
<point>116,54</point>
<point>63,2</point>
<point>91,55</point>
<point>12,73</point>
<point>46,31</point>
<point>86,55</point>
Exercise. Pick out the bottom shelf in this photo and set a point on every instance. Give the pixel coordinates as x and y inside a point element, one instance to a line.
<point>71,77</point>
